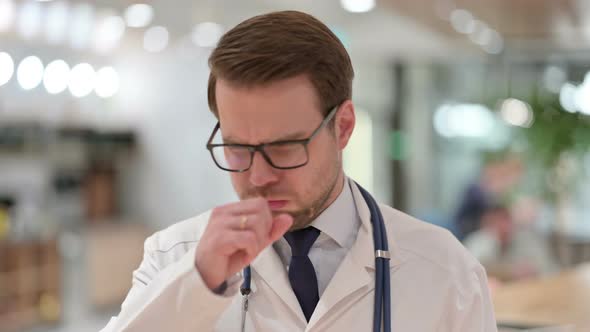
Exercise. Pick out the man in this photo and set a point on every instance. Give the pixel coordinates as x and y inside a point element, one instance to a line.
<point>508,246</point>
<point>281,87</point>
<point>498,178</point>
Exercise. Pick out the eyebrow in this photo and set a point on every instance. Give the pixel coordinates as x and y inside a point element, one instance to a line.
<point>287,137</point>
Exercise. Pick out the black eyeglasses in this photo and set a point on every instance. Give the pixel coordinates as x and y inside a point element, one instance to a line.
<point>281,154</point>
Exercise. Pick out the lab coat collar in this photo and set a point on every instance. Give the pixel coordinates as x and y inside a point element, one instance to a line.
<point>363,250</point>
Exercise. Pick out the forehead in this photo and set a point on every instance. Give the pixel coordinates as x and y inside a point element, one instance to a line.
<point>266,113</point>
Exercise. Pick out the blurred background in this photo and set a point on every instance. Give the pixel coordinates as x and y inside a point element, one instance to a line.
<point>472,115</point>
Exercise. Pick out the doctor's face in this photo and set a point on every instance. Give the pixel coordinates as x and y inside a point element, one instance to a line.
<point>283,111</point>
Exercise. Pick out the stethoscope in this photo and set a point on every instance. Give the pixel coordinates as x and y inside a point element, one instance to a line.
<point>382,309</point>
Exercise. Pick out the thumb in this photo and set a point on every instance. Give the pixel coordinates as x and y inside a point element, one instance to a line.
<point>280,225</point>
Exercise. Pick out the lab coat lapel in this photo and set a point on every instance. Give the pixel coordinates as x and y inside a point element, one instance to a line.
<point>351,280</point>
<point>356,272</point>
<point>269,267</point>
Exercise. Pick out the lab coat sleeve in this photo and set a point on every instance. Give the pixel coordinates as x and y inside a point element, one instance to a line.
<point>474,311</point>
<point>168,298</point>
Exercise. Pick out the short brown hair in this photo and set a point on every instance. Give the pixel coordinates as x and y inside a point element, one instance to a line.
<point>280,45</point>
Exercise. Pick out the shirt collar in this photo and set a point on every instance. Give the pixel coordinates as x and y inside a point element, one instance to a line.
<point>340,219</point>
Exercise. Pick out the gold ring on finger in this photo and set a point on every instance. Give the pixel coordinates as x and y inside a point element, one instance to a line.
<point>243,222</point>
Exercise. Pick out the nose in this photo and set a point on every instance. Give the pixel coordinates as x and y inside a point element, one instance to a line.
<point>261,172</point>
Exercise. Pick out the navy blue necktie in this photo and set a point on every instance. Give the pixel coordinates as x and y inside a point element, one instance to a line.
<point>301,272</point>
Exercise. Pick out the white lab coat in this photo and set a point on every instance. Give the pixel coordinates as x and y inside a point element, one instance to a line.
<point>436,285</point>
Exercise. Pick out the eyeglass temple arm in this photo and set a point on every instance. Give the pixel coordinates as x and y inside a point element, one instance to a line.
<point>325,121</point>
<point>213,133</point>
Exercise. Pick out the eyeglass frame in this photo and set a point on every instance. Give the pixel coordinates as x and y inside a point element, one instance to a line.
<point>260,147</point>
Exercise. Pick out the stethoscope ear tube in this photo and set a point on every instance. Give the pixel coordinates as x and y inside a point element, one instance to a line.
<point>382,307</point>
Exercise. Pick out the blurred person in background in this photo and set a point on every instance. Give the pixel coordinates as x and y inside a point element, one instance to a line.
<point>281,85</point>
<point>508,245</point>
<point>528,242</point>
<point>499,176</point>
<point>492,240</point>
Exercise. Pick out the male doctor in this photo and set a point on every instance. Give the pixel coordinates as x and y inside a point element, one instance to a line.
<point>281,87</point>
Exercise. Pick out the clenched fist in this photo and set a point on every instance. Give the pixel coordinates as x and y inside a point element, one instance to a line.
<point>235,235</point>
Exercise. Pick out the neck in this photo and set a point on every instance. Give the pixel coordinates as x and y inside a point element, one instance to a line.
<point>338,187</point>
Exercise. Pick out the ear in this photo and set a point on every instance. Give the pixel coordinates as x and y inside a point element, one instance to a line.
<point>345,121</point>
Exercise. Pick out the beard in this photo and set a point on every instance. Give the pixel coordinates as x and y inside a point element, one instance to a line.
<point>304,216</point>
<point>308,211</point>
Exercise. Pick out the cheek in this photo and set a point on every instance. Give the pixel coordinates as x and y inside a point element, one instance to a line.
<point>294,179</point>
<point>317,171</point>
<point>323,153</point>
<point>298,183</point>
<point>238,180</point>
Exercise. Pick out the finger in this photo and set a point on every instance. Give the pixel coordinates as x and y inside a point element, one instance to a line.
<point>255,223</point>
<point>235,241</point>
<point>248,206</point>
<point>249,223</point>
<point>259,221</point>
<point>280,226</point>
<point>238,261</point>
<point>260,225</point>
